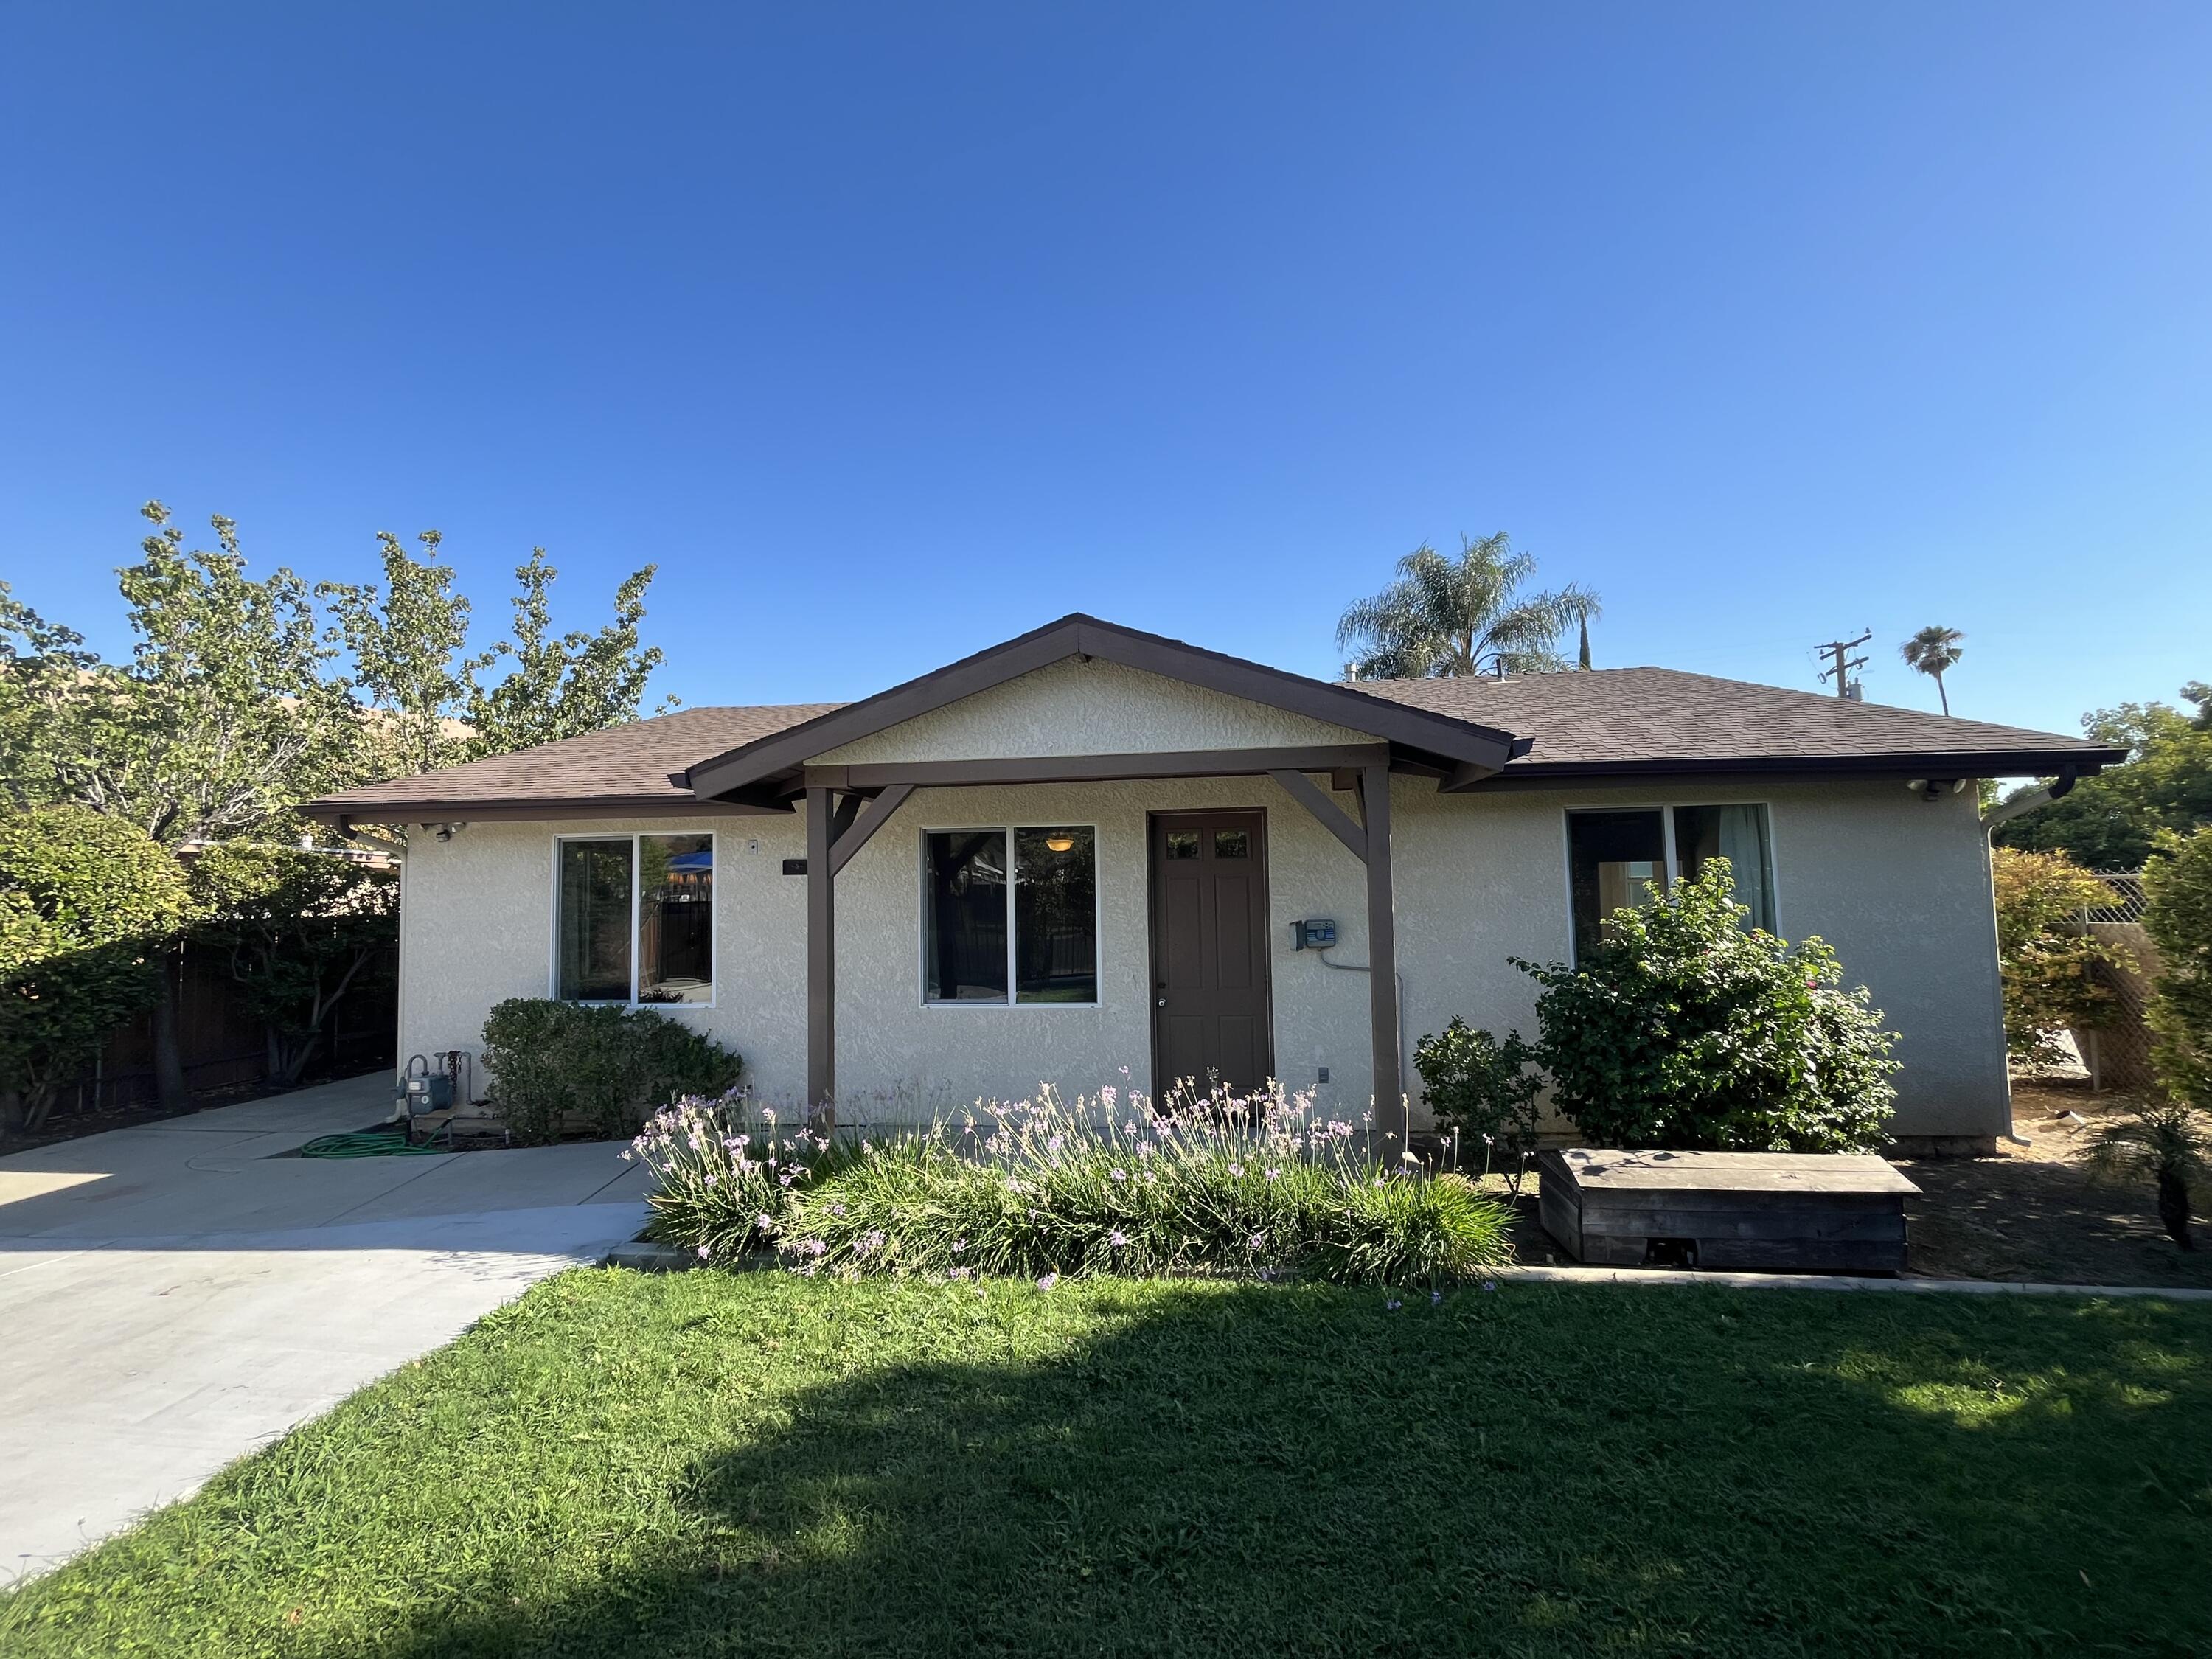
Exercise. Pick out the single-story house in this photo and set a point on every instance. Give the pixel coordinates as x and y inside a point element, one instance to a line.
<point>1093,855</point>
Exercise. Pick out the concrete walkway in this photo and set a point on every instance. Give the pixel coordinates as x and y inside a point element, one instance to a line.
<point>173,1295</point>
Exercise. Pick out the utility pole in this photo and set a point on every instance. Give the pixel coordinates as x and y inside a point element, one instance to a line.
<point>1841,673</point>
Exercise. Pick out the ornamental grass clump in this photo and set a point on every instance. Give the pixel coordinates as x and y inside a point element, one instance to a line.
<point>1262,1186</point>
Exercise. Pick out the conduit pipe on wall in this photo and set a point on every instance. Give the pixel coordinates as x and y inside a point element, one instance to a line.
<point>1404,1070</point>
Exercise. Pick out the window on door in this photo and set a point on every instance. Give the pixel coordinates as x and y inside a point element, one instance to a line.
<point>635,919</point>
<point>1010,910</point>
<point>1615,857</point>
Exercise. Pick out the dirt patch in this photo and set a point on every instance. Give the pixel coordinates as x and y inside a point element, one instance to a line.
<point>2033,1213</point>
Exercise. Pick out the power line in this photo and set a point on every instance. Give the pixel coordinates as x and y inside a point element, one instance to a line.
<point>1840,650</point>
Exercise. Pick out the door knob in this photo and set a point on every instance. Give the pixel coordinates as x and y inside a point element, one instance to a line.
<point>1163,1002</point>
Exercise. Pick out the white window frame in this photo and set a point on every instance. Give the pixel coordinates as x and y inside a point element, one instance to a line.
<point>637,916</point>
<point>1014,988</point>
<point>1666,810</point>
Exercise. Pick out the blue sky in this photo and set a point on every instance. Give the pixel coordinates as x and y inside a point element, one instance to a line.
<point>888,331</point>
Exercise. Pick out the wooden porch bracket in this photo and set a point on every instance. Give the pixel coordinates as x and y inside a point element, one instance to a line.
<point>855,833</point>
<point>1331,816</point>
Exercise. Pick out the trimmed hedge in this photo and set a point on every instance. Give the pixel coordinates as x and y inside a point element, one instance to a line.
<point>553,1063</point>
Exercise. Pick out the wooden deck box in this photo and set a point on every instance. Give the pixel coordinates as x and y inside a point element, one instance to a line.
<point>1824,1213</point>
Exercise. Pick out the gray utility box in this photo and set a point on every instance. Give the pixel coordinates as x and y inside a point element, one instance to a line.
<point>1806,1213</point>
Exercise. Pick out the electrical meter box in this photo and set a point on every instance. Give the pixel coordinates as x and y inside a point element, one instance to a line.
<point>1315,935</point>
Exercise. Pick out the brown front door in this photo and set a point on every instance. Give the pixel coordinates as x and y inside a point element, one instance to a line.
<point>1210,1021</point>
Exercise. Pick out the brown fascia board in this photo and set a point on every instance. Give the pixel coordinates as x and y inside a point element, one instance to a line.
<point>1080,635</point>
<point>509,810</point>
<point>1977,763</point>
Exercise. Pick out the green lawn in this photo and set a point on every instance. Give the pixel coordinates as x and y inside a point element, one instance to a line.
<point>702,1464</point>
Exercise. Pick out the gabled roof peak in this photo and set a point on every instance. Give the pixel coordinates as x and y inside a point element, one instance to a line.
<point>778,758</point>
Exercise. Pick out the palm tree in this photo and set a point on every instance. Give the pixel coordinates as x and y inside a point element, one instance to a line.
<point>1465,616</point>
<point>1933,651</point>
<point>2166,1141</point>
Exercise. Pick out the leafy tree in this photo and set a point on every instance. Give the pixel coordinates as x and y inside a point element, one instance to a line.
<point>405,641</point>
<point>2051,969</point>
<point>2112,821</point>
<point>223,717</point>
<point>237,704</point>
<point>431,707</point>
<point>300,931</point>
<point>561,687</point>
<point>87,902</point>
<point>1684,1030</point>
<point>2177,883</point>
<point>1934,651</point>
<point>1464,615</point>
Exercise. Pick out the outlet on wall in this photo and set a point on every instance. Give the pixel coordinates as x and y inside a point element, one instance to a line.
<point>1323,1077</point>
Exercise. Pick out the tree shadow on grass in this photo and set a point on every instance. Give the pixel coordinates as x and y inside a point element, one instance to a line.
<point>1536,1471</point>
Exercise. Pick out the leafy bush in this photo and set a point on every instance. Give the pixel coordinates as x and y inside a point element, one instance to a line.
<point>1683,1030</point>
<point>1482,1090</point>
<point>1040,1189</point>
<point>553,1062</point>
<point>2177,883</point>
<point>87,902</point>
<point>2048,965</point>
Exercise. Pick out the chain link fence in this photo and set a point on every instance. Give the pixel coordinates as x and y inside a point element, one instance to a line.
<point>2127,905</point>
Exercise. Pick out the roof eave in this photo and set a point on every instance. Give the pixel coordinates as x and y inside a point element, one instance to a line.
<point>1962,763</point>
<point>337,809</point>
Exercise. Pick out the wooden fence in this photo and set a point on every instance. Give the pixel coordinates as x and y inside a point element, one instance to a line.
<point>223,1047</point>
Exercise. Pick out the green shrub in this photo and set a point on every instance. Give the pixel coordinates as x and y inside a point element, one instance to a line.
<point>2048,964</point>
<point>1482,1091</point>
<point>86,902</point>
<point>2178,882</point>
<point>1682,1029</point>
<point>1040,1189</point>
<point>553,1063</point>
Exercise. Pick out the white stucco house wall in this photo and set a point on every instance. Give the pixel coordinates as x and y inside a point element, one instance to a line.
<point>1088,849</point>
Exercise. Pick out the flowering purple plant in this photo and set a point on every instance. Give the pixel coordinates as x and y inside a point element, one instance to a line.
<point>1046,1188</point>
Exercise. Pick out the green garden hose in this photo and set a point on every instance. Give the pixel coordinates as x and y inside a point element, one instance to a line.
<point>367,1143</point>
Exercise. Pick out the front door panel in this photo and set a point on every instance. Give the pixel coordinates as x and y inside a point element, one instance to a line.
<point>1210,1021</point>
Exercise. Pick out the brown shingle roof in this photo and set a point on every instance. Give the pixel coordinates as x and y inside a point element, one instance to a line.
<point>641,764</point>
<point>1605,720</point>
<point>1658,719</point>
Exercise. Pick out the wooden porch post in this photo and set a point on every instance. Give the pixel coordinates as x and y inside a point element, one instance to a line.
<point>1392,1123</point>
<point>821,963</point>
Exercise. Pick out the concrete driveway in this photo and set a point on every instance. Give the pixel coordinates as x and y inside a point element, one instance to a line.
<point>173,1295</point>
